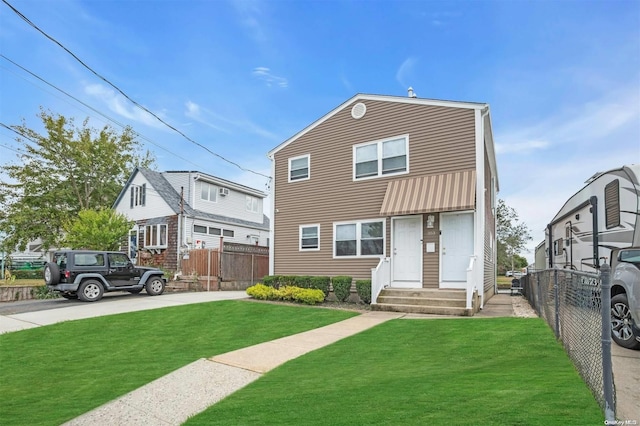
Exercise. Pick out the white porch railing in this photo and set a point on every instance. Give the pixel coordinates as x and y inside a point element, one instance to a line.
<point>471,282</point>
<point>380,278</point>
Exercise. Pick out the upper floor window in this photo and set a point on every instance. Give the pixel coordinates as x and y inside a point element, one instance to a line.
<point>138,195</point>
<point>200,229</point>
<point>309,237</point>
<point>228,233</point>
<point>252,204</point>
<point>155,236</point>
<point>208,192</point>
<point>384,157</point>
<point>299,168</point>
<point>365,238</point>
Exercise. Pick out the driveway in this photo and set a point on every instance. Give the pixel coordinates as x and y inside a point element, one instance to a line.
<point>15,316</point>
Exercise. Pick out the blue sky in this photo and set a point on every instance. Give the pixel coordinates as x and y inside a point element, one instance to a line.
<point>562,78</point>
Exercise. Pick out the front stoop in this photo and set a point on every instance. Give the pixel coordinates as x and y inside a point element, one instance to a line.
<point>424,301</point>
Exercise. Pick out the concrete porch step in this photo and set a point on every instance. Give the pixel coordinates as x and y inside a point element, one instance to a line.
<point>421,309</point>
<point>423,301</point>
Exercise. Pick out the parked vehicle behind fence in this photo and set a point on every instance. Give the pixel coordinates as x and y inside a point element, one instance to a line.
<point>601,224</point>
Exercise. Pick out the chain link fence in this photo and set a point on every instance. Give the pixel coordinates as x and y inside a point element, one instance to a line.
<point>571,302</point>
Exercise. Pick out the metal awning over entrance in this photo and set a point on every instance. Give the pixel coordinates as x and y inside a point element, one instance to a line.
<point>426,194</point>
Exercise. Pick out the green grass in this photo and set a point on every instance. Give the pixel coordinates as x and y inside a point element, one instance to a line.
<point>49,375</point>
<point>504,371</point>
<point>30,281</point>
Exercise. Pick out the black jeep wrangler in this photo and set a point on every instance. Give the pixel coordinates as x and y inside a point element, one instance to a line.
<point>86,275</point>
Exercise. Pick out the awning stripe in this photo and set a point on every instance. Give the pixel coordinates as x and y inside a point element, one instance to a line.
<point>427,194</point>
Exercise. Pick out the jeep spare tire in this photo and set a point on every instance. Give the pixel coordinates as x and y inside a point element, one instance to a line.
<point>51,273</point>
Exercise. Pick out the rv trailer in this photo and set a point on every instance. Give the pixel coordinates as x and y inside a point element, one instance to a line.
<point>601,224</point>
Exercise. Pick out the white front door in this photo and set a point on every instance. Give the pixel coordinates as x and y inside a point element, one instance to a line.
<point>456,248</point>
<point>406,248</point>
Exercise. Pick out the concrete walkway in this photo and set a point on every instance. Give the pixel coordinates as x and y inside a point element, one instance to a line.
<point>172,399</point>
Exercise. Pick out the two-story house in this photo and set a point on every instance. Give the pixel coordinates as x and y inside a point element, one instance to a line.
<point>176,211</point>
<point>400,190</point>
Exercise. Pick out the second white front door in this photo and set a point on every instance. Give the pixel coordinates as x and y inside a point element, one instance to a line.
<point>406,248</point>
<point>456,242</point>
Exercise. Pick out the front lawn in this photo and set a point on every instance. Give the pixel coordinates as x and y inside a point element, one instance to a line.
<point>49,375</point>
<point>503,371</point>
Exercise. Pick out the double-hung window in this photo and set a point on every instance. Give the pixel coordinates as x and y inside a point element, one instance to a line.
<point>208,192</point>
<point>252,204</point>
<point>363,238</point>
<point>299,168</point>
<point>380,158</point>
<point>309,237</point>
<point>138,195</point>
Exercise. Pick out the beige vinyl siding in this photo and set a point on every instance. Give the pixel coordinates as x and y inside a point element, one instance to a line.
<point>431,261</point>
<point>489,230</point>
<point>441,140</point>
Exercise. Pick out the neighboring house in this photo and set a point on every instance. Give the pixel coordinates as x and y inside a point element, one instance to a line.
<point>176,211</point>
<point>406,186</point>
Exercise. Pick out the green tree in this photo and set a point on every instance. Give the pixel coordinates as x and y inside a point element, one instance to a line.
<point>97,230</point>
<point>513,236</point>
<point>60,172</point>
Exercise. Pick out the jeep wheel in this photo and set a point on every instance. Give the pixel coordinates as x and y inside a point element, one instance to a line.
<point>622,323</point>
<point>90,291</point>
<point>51,273</point>
<point>155,286</point>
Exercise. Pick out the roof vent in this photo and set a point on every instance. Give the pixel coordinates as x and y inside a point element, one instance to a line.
<point>358,110</point>
<point>411,93</point>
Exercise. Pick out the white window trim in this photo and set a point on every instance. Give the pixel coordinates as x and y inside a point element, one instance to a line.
<point>317,225</point>
<point>379,145</point>
<point>308,157</point>
<point>158,228</point>
<point>202,182</point>
<point>257,200</point>
<point>358,224</point>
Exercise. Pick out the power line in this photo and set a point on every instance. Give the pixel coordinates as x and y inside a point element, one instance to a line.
<point>24,18</point>
<point>93,109</point>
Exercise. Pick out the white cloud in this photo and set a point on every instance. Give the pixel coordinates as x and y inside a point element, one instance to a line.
<point>122,106</point>
<point>521,147</point>
<point>225,124</point>
<point>558,154</point>
<point>251,16</point>
<point>264,74</point>
<point>405,72</point>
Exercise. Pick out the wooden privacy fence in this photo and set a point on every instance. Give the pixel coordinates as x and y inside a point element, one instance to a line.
<point>243,267</point>
<point>237,266</point>
<point>202,262</point>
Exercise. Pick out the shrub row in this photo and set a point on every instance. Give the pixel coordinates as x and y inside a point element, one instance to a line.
<point>310,296</point>
<point>341,285</point>
<point>301,281</point>
<point>25,274</point>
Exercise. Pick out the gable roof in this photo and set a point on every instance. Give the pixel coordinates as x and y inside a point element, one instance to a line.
<point>383,98</point>
<point>170,196</point>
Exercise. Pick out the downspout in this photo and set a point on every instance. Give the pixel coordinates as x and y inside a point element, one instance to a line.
<point>480,204</point>
<point>272,222</point>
